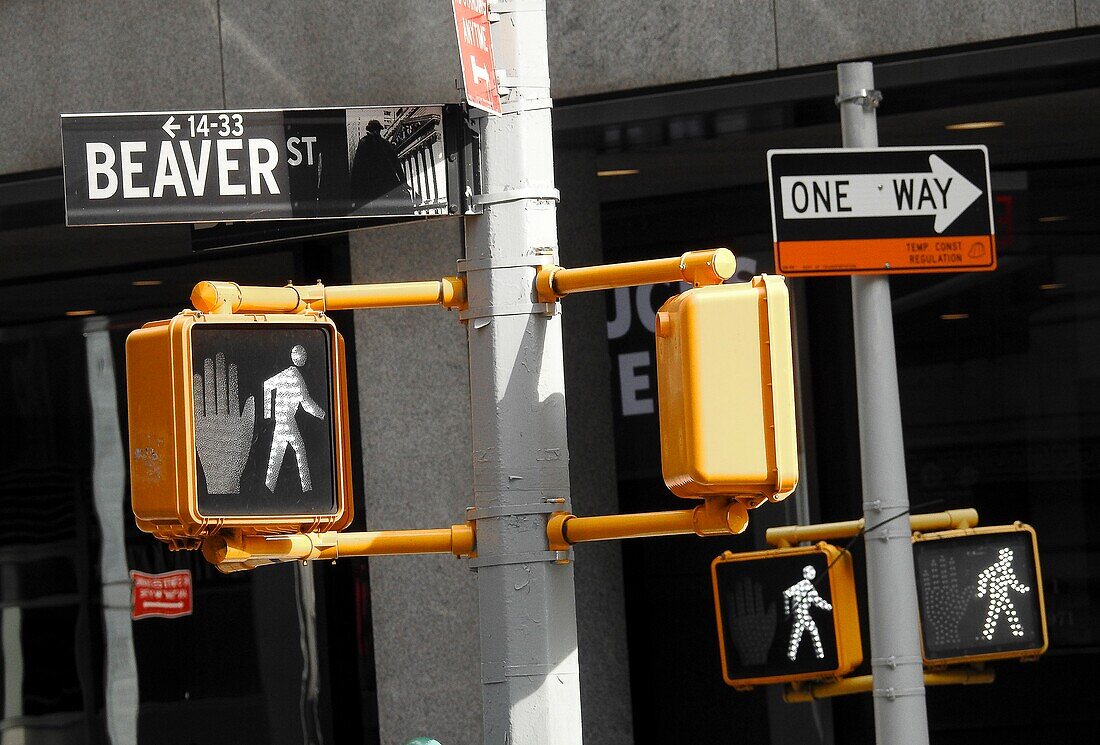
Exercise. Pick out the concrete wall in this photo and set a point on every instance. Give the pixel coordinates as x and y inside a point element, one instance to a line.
<point>126,55</point>
<point>414,407</point>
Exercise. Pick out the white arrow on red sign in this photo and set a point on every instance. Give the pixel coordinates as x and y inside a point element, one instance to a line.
<point>475,48</point>
<point>942,192</point>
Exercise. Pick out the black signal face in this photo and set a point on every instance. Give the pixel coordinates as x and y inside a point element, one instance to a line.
<point>979,595</point>
<point>263,413</point>
<point>777,616</point>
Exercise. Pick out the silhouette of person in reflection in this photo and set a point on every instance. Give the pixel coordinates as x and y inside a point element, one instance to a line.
<point>377,178</point>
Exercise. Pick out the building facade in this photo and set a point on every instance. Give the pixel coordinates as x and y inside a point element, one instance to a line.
<point>663,114</point>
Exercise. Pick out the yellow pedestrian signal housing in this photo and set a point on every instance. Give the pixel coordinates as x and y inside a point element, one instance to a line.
<point>725,384</point>
<point>238,421</point>
<point>786,614</point>
<point>980,594</point>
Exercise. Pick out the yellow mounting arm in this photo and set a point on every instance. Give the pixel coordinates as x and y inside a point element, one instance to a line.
<point>230,297</point>
<point>231,551</point>
<point>790,535</point>
<point>803,692</point>
<point>699,268</point>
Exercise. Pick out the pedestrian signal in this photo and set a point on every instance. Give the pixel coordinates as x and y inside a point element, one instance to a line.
<point>786,614</point>
<point>725,385</point>
<point>980,594</point>
<point>237,421</point>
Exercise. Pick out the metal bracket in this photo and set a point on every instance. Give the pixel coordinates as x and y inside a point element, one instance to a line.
<point>515,6</point>
<point>534,508</point>
<point>529,557</point>
<point>497,672</point>
<point>517,81</point>
<point>514,195</point>
<point>886,535</point>
<point>878,506</point>
<point>893,662</point>
<point>515,309</point>
<point>868,99</point>
<point>479,265</point>
<point>892,693</point>
<point>526,104</point>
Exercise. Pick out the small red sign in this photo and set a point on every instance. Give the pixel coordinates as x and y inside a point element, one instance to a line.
<point>165,595</point>
<point>475,46</point>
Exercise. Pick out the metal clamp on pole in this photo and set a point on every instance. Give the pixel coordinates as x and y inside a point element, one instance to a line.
<point>868,99</point>
<point>699,268</point>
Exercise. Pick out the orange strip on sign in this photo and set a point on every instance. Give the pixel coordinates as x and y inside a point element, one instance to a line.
<point>955,253</point>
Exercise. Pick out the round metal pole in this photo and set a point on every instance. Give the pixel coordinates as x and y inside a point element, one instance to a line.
<point>901,717</point>
<point>527,609</point>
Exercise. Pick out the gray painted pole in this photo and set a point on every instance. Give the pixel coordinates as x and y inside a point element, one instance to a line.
<point>901,717</point>
<point>527,609</point>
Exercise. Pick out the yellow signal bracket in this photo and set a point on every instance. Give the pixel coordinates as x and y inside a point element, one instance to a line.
<point>699,268</point>
<point>791,535</point>
<point>230,297</point>
<point>716,516</point>
<point>798,693</point>
<point>233,551</point>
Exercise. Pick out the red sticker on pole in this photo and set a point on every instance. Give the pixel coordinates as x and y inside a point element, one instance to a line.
<point>475,47</point>
<point>166,595</point>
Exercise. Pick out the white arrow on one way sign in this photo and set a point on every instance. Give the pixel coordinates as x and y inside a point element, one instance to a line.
<point>943,192</point>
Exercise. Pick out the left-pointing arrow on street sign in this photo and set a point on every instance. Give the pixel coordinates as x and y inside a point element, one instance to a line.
<point>170,128</point>
<point>942,192</point>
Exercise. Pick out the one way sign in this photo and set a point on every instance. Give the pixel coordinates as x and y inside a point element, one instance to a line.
<point>881,210</point>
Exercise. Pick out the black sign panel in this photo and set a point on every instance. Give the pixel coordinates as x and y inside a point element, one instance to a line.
<point>777,616</point>
<point>263,419</point>
<point>239,165</point>
<point>881,210</point>
<point>979,595</point>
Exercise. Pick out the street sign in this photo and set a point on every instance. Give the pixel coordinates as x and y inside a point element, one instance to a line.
<point>980,593</point>
<point>237,421</point>
<point>165,595</point>
<point>881,210</point>
<point>263,164</point>
<point>786,614</point>
<point>475,47</point>
<point>725,384</point>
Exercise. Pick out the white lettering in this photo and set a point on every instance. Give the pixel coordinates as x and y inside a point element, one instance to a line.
<point>131,169</point>
<point>620,324</point>
<point>258,168</point>
<point>226,165</point>
<point>168,172</point>
<point>97,168</point>
<point>197,175</point>
<point>295,154</point>
<point>631,384</point>
<point>309,149</point>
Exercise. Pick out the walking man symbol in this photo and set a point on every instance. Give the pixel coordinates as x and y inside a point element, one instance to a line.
<point>798,599</point>
<point>289,391</point>
<point>996,581</point>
